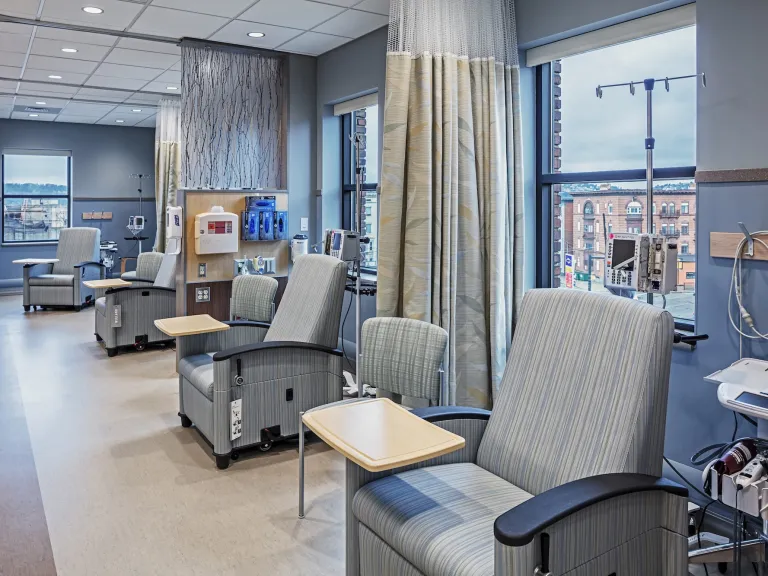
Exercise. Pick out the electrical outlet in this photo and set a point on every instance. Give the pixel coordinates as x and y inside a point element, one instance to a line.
<point>202,270</point>
<point>305,224</point>
<point>203,294</point>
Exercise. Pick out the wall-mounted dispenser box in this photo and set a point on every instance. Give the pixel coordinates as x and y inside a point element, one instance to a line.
<point>262,221</point>
<point>216,232</point>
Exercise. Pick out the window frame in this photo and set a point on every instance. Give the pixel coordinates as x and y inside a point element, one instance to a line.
<point>3,196</point>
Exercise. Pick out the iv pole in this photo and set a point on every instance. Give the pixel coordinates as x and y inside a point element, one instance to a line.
<point>359,207</point>
<point>650,141</point>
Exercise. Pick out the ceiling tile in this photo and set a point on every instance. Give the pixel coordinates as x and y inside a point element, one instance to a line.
<point>150,122</point>
<point>60,65</point>
<point>143,98</point>
<point>10,71</point>
<point>46,47</point>
<point>112,118</point>
<point>129,111</point>
<point>149,46</point>
<point>378,6</point>
<point>7,86</point>
<point>171,77</point>
<point>19,7</point>
<point>5,111</point>
<point>121,71</point>
<point>14,42</point>
<point>107,95</point>
<point>344,3</point>
<point>140,58</point>
<point>68,77</point>
<point>76,119</point>
<point>177,66</point>
<point>38,118</point>
<point>177,24</point>
<point>6,101</point>
<point>162,87</point>
<point>46,91</point>
<point>87,109</point>
<point>236,32</point>
<point>76,37</point>
<point>353,24</point>
<point>227,8</point>
<point>33,101</point>
<point>15,59</point>
<point>10,28</point>
<point>114,82</point>
<point>117,14</point>
<point>291,13</point>
<point>313,43</point>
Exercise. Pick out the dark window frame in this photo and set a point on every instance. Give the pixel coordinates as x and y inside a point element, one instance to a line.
<point>3,197</point>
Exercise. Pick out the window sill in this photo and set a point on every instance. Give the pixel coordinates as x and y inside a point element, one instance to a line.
<point>39,243</point>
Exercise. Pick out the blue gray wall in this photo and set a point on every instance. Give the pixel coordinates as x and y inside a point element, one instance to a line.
<point>103,157</point>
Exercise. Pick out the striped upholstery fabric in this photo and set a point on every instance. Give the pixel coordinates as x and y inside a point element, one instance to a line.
<point>148,265</point>
<point>52,280</point>
<point>198,371</point>
<point>253,297</point>
<point>378,559</point>
<point>310,309</point>
<point>596,370</point>
<point>76,245</point>
<point>440,519</point>
<point>166,273</point>
<point>403,356</point>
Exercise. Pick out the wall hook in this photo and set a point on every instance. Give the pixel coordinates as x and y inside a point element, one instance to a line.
<point>750,241</point>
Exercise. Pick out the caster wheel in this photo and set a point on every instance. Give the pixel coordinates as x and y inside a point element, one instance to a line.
<point>222,462</point>
<point>99,338</point>
<point>722,567</point>
<point>140,346</point>
<point>111,352</point>
<point>266,447</point>
<point>26,308</point>
<point>185,422</point>
<point>234,455</point>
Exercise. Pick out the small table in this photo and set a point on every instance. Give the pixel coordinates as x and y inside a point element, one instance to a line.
<point>33,261</point>
<point>379,435</point>
<point>106,284</point>
<point>189,325</point>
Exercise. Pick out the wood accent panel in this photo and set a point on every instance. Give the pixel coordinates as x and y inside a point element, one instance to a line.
<point>724,244</point>
<point>221,292</point>
<point>220,267</point>
<point>732,176</point>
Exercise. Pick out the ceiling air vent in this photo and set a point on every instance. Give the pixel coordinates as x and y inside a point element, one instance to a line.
<point>36,109</point>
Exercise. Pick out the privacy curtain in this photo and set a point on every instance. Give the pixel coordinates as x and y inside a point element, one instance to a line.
<point>451,237</point>
<point>167,162</point>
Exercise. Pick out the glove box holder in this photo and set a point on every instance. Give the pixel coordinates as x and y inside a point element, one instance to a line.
<point>751,499</point>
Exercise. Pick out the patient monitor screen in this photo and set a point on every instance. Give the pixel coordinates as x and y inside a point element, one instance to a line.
<point>754,399</point>
<point>624,250</point>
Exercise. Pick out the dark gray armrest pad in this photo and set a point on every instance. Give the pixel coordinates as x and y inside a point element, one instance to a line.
<point>442,413</point>
<point>227,354</point>
<point>518,526</point>
<point>84,264</point>
<point>143,288</point>
<point>247,323</point>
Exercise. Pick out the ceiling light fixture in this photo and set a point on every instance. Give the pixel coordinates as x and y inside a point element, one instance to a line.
<point>119,121</point>
<point>171,88</point>
<point>92,10</point>
<point>136,110</point>
<point>33,115</point>
<point>54,77</point>
<point>69,50</point>
<point>256,34</point>
<point>40,103</point>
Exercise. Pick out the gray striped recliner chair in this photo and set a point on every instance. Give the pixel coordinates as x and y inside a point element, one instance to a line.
<point>563,475</point>
<point>278,369</point>
<point>61,283</point>
<point>126,316</point>
<point>147,266</point>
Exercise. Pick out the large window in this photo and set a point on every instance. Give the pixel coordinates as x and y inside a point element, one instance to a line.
<point>365,123</point>
<point>592,153</point>
<point>36,195</point>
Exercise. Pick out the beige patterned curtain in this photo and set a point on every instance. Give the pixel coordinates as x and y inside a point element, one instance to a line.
<point>167,163</point>
<point>451,220</point>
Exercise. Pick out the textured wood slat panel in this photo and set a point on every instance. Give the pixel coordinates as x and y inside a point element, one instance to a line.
<point>732,176</point>
<point>724,244</point>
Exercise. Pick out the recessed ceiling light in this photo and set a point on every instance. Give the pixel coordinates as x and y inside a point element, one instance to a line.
<point>119,121</point>
<point>92,10</point>
<point>171,88</point>
<point>256,34</point>
<point>54,77</point>
<point>136,110</point>
<point>40,103</point>
<point>33,115</point>
<point>69,50</point>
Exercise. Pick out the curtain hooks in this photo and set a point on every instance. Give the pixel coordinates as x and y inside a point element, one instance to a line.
<point>666,83</point>
<point>599,92</point>
<point>632,88</point>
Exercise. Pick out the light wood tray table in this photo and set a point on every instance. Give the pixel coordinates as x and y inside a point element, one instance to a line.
<point>26,261</point>
<point>189,325</point>
<point>380,435</point>
<point>106,284</point>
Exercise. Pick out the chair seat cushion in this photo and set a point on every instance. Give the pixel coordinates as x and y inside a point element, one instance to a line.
<point>52,280</point>
<point>128,275</point>
<point>101,306</point>
<point>439,518</point>
<point>198,369</point>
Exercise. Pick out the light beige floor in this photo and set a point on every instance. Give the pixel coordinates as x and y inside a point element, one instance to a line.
<point>127,491</point>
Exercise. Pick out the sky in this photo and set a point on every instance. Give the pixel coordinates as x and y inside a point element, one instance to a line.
<point>36,169</point>
<point>609,133</point>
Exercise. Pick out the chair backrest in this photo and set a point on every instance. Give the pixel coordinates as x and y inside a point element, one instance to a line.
<point>310,309</point>
<point>76,245</point>
<point>148,265</point>
<point>403,356</point>
<point>584,391</point>
<point>253,297</point>
<point>166,275</point>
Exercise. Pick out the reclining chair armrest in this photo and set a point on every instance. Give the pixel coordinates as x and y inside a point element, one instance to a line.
<point>648,523</point>
<point>255,323</point>
<point>85,264</point>
<point>29,272</point>
<point>216,341</point>
<point>248,348</point>
<point>437,414</point>
<point>143,288</point>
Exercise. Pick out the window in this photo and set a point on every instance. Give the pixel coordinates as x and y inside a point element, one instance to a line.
<point>36,195</point>
<point>364,122</point>
<point>588,209</point>
<point>578,226</point>
<point>684,248</point>
<point>580,135</point>
<point>690,275</point>
<point>684,228</point>
<point>589,246</point>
